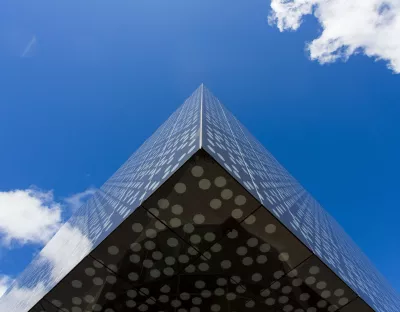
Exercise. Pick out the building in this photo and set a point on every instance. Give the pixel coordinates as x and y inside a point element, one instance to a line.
<point>201,218</point>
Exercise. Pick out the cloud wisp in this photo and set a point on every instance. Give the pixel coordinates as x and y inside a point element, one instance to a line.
<point>77,200</point>
<point>31,44</point>
<point>371,27</point>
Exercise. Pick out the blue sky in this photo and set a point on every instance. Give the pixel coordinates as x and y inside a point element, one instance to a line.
<point>84,83</point>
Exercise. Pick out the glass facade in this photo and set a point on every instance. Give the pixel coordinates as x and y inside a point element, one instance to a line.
<point>201,218</point>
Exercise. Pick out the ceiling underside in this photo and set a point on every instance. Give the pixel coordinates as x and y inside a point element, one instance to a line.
<point>201,242</point>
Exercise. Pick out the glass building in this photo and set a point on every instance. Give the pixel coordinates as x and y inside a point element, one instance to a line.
<point>201,218</point>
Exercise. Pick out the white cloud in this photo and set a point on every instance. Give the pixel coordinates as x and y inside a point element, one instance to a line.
<point>32,216</point>
<point>22,298</point>
<point>77,200</point>
<point>348,27</point>
<point>28,216</point>
<point>63,252</point>
<point>5,282</point>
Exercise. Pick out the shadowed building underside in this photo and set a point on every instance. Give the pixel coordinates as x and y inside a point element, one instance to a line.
<point>201,218</point>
